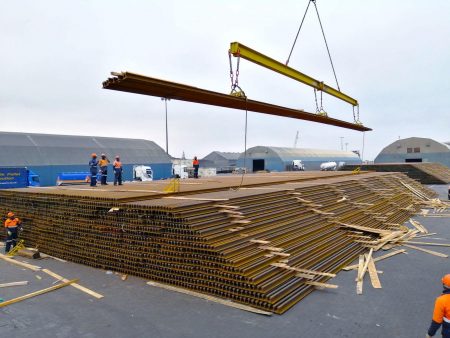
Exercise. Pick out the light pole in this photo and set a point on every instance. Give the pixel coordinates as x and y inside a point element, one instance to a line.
<point>346,144</point>
<point>165,99</point>
<point>342,144</point>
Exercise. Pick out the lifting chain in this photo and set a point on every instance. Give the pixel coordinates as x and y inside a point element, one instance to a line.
<point>319,110</point>
<point>356,115</point>
<point>235,89</point>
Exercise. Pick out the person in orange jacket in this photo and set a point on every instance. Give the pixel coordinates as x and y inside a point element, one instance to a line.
<point>103,164</point>
<point>12,226</point>
<point>117,165</point>
<point>441,313</point>
<point>196,165</point>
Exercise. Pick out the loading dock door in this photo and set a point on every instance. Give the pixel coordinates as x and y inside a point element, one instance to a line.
<point>413,160</point>
<point>258,165</point>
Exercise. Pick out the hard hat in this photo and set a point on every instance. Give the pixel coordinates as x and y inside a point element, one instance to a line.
<point>10,214</point>
<point>93,155</point>
<point>446,280</point>
<point>103,155</point>
<point>117,156</point>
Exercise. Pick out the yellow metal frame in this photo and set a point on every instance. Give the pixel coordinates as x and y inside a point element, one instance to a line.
<point>238,49</point>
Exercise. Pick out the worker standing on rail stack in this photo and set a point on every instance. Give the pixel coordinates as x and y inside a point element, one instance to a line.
<point>12,226</point>
<point>93,168</point>
<point>103,163</point>
<point>196,165</point>
<point>441,313</point>
<point>117,171</point>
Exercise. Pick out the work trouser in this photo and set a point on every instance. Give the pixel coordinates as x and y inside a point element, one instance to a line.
<point>104,171</point>
<point>117,176</point>
<point>445,329</point>
<point>196,171</point>
<point>93,179</point>
<point>11,238</point>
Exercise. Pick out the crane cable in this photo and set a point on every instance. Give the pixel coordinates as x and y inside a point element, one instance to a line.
<point>237,91</point>
<point>324,38</point>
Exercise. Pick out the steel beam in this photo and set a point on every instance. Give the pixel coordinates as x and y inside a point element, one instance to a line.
<point>238,49</point>
<point>140,84</point>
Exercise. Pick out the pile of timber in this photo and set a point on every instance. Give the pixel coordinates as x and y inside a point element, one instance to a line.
<point>266,247</point>
<point>425,173</point>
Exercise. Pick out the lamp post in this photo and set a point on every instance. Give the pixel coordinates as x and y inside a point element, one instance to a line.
<point>165,99</point>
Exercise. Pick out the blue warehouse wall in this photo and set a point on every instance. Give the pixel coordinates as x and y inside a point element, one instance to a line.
<point>48,174</point>
<point>312,163</point>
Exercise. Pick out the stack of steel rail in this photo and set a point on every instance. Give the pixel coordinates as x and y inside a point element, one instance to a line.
<point>425,173</point>
<point>249,245</point>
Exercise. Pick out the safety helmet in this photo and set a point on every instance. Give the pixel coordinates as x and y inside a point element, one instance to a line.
<point>117,157</point>
<point>93,155</point>
<point>103,155</point>
<point>446,280</point>
<point>10,214</point>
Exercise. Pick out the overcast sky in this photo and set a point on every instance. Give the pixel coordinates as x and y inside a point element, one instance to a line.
<point>393,56</point>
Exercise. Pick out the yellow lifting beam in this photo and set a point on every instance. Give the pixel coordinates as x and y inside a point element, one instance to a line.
<point>238,49</point>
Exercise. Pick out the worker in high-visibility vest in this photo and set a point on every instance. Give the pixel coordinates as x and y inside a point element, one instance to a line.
<point>196,165</point>
<point>117,165</point>
<point>103,164</point>
<point>12,226</point>
<point>441,313</point>
<point>93,168</point>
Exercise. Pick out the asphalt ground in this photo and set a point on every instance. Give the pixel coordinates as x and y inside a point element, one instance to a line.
<point>131,308</point>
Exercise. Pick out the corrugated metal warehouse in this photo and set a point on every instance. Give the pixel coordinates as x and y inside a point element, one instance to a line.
<point>280,159</point>
<point>47,155</point>
<point>222,161</point>
<point>415,149</point>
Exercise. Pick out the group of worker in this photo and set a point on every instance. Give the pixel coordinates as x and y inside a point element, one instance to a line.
<point>103,163</point>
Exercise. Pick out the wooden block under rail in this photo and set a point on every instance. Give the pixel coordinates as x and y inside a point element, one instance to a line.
<point>323,285</point>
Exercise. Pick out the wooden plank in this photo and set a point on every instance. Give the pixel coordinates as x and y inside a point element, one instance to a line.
<point>314,272</point>
<point>434,253</point>
<point>211,298</point>
<point>21,264</point>
<point>393,253</point>
<point>195,198</point>
<point>270,248</point>
<point>259,241</point>
<point>75,285</point>
<point>429,243</point>
<point>37,293</point>
<point>4,285</point>
<point>304,275</point>
<point>323,285</point>
<point>226,206</point>
<point>373,274</point>
<point>367,258</point>
<point>366,229</point>
<point>359,282</point>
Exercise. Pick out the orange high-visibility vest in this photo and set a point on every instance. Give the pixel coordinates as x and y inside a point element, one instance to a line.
<point>103,162</point>
<point>12,223</point>
<point>195,162</point>
<point>441,311</point>
<point>117,164</point>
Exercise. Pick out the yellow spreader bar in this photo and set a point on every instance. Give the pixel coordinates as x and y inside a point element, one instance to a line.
<point>238,49</point>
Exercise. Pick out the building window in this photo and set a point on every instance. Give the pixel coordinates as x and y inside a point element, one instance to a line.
<point>417,150</point>
<point>409,150</point>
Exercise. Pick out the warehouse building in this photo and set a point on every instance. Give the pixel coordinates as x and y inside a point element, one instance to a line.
<point>415,149</point>
<point>48,155</point>
<point>224,162</point>
<point>280,159</point>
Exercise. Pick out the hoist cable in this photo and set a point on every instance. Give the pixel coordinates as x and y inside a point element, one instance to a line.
<point>298,32</point>
<point>326,44</point>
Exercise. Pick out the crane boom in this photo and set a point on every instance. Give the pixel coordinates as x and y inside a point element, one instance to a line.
<point>238,49</point>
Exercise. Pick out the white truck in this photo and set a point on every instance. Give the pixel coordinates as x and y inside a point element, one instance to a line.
<point>142,173</point>
<point>180,171</point>
<point>328,166</point>
<point>297,165</point>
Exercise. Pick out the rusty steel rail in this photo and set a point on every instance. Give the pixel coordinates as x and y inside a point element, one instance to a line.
<point>140,84</point>
<point>246,248</point>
